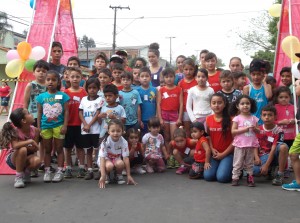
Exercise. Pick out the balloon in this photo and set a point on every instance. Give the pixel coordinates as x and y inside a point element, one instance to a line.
<point>14,68</point>
<point>295,71</point>
<point>12,54</point>
<point>275,10</point>
<point>29,64</point>
<point>32,3</point>
<point>24,50</point>
<point>291,45</point>
<point>37,53</point>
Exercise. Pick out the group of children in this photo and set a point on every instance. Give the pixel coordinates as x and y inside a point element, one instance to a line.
<point>203,121</point>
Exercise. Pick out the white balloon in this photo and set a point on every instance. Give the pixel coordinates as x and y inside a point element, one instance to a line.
<point>37,53</point>
<point>295,71</point>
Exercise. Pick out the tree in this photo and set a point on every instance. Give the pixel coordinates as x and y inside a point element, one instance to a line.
<point>86,42</point>
<point>220,63</point>
<point>4,25</point>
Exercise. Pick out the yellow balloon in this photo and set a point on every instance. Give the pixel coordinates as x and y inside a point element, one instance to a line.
<point>291,45</point>
<point>14,68</point>
<point>275,10</point>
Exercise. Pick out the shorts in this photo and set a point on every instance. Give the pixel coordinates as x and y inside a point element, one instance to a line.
<point>4,101</point>
<point>196,170</point>
<point>52,133</point>
<point>295,148</point>
<point>90,140</point>
<point>113,160</point>
<point>135,126</point>
<point>9,161</point>
<point>169,116</point>
<point>186,117</point>
<point>73,137</point>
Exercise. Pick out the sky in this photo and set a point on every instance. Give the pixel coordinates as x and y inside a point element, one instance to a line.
<point>195,24</point>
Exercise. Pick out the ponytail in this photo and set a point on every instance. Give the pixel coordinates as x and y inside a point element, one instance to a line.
<point>8,134</point>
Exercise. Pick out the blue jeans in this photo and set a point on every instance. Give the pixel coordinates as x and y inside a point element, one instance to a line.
<point>221,170</point>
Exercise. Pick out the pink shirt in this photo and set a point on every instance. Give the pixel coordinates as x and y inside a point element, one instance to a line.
<point>286,112</point>
<point>247,139</point>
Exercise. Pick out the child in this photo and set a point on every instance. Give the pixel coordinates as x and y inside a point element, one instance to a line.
<point>116,59</point>
<point>56,55</point>
<point>105,78</point>
<point>148,96</point>
<point>117,71</point>
<point>213,74</point>
<point>155,68</point>
<point>285,114</point>
<point>154,146</point>
<point>136,80</point>
<point>136,152</point>
<point>22,139</point>
<point>53,116</point>
<point>235,65</point>
<point>226,81</point>
<point>189,81</point>
<point>73,135</point>
<point>202,151</point>
<point>169,106</point>
<point>75,62</point>
<point>272,82</point>
<point>100,62</point>
<point>131,101</point>
<point>179,72</point>
<point>197,105</point>
<point>272,149</point>
<point>202,58</point>
<point>32,90</point>
<point>239,80</point>
<point>124,55</point>
<point>65,82</point>
<point>182,148</point>
<point>220,140</point>
<point>140,62</point>
<point>112,150</point>
<point>89,109</point>
<point>243,129</point>
<point>259,90</point>
<point>287,80</point>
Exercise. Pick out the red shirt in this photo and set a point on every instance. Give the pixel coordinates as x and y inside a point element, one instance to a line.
<point>138,150</point>
<point>214,81</point>
<point>75,98</point>
<point>170,98</point>
<point>199,155</point>
<point>185,87</point>
<point>4,91</point>
<point>286,112</point>
<point>188,144</point>
<point>220,141</point>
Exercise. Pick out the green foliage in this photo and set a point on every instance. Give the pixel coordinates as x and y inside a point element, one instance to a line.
<point>86,42</point>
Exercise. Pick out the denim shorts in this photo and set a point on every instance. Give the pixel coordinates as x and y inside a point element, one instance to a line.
<point>9,161</point>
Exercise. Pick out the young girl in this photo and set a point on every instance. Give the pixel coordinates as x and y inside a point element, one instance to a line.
<point>235,64</point>
<point>220,140</point>
<point>136,152</point>
<point>244,127</point>
<point>155,68</point>
<point>113,148</point>
<point>169,105</point>
<point>22,138</point>
<point>285,114</point>
<point>89,109</point>
<point>153,144</point>
<point>53,116</point>
<point>179,72</point>
<point>182,148</point>
<point>197,105</point>
<point>189,70</point>
<point>202,151</point>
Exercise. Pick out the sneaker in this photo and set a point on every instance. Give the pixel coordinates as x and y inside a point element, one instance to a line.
<point>52,169</point>
<point>81,173</point>
<point>286,173</point>
<point>27,177</point>
<point>68,173</point>
<point>97,175</point>
<point>181,170</point>
<point>250,181</point>
<point>58,177</point>
<point>41,168</point>
<point>34,173</point>
<point>176,164</point>
<point>278,180</point>
<point>47,177</point>
<point>149,169</point>
<point>235,182</point>
<point>171,163</point>
<point>89,175</point>
<point>19,183</point>
<point>95,167</point>
<point>139,170</point>
<point>120,179</point>
<point>293,186</point>
<point>107,180</point>
<point>124,173</point>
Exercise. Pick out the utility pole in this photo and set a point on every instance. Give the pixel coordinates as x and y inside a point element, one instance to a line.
<point>115,23</point>
<point>170,37</point>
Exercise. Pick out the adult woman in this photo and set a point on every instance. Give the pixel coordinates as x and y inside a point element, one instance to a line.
<point>4,94</point>
<point>155,68</point>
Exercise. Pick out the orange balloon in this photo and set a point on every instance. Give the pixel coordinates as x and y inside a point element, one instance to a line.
<point>24,50</point>
<point>291,45</point>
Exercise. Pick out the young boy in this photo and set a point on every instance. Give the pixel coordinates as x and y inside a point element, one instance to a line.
<point>73,135</point>
<point>136,79</point>
<point>239,80</point>
<point>226,81</point>
<point>131,101</point>
<point>105,78</point>
<point>259,90</point>
<point>75,62</point>
<point>100,62</point>
<point>272,151</point>
<point>115,59</point>
<point>148,96</point>
<point>117,71</point>
<point>202,58</point>
<point>124,55</point>
<point>56,54</point>
<point>213,74</point>
<point>287,79</point>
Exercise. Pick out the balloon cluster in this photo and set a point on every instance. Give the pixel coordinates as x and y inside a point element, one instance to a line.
<point>24,56</point>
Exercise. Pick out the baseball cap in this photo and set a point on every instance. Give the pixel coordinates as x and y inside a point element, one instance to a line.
<point>122,53</point>
<point>116,58</point>
<point>200,126</point>
<point>257,65</point>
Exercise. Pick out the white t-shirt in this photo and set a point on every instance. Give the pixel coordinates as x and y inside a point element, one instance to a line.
<point>112,150</point>
<point>89,109</point>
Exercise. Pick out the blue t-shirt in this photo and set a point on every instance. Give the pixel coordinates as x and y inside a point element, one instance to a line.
<point>53,108</point>
<point>130,100</point>
<point>148,106</point>
<point>259,96</point>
